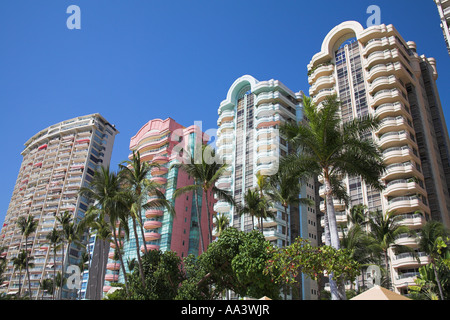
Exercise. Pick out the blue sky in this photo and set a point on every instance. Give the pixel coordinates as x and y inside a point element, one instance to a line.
<point>135,60</point>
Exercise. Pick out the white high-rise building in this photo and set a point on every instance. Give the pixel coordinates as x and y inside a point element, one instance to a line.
<point>248,139</point>
<point>57,161</point>
<point>444,13</point>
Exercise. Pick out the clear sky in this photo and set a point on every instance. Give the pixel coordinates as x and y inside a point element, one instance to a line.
<point>135,60</point>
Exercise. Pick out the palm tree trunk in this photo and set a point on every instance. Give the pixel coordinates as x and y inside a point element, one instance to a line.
<point>62,273</point>
<point>141,270</point>
<point>199,222</point>
<point>26,266</point>
<point>337,293</point>
<point>437,279</point>
<point>54,273</point>
<point>334,233</point>
<point>205,192</point>
<point>121,263</point>
<point>386,262</point>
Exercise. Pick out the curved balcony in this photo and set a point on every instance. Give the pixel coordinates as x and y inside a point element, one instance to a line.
<point>265,145</point>
<point>273,97</point>
<point>222,206</point>
<point>322,70</point>
<point>267,156</point>
<point>377,57</point>
<point>338,205</point>
<point>406,240</point>
<point>383,82</point>
<point>225,148</point>
<point>266,133</point>
<point>224,183</point>
<point>148,225</point>
<point>402,170</point>
<point>341,218</point>
<point>383,70</point>
<point>391,110</point>
<point>111,254</point>
<point>267,168</point>
<point>152,213</point>
<point>113,245</point>
<point>395,138</point>
<point>224,138</point>
<point>265,122</point>
<point>402,186</point>
<point>388,96</point>
<point>152,236</point>
<point>159,180</point>
<point>405,204</point>
<point>322,94</point>
<point>409,260</point>
<point>375,44</point>
<point>111,277</point>
<point>113,266</point>
<point>324,82</point>
<point>159,171</point>
<point>399,154</point>
<point>226,115</point>
<point>150,247</point>
<point>106,288</point>
<point>226,127</point>
<point>412,220</point>
<point>160,159</point>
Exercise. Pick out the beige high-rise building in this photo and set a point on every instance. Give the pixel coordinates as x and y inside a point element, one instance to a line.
<point>57,161</point>
<point>375,71</point>
<point>444,14</point>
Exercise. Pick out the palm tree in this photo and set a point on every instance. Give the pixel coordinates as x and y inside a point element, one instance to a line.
<point>64,219</point>
<point>255,205</point>
<point>332,149</point>
<point>46,286</point>
<point>205,175</point>
<point>431,240</point>
<point>54,237</point>
<point>110,207</point>
<point>221,222</point>
<point>383,231</point>
<point>19,263</point>
<point>27,226</point>
<point>285,190</point>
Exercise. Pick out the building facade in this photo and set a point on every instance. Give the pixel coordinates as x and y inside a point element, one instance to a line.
<point>57,161</point>
<point>444,14</point>
<point>374,71</point>
<point>165,142</point>
<point>248,139</point>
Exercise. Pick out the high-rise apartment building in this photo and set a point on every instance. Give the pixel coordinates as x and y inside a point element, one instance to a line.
<point>57,161</point>
<point>444,13</point>
<point>248,139</point>
<point>374,71</point>
<point>165,142</point>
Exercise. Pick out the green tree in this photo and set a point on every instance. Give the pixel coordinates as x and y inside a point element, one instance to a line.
<point>302,257</point>
<point>108,214</point>
<point>235,262</point>
<point>331,149</point>
<point>221,222</point>
<point>64,218</point>
<point>205,173</point>
<point>27,226</point>
<point>54,237</point>
<point>255,205</point>
<point>432,241</point>
<point>384,228</point>
<point>22,261</point>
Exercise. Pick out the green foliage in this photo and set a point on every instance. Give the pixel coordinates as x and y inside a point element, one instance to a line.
<point>302,257</point>
<point>162,275</point>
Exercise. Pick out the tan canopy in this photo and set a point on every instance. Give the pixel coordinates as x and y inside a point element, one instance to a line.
<point>379,293</point>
